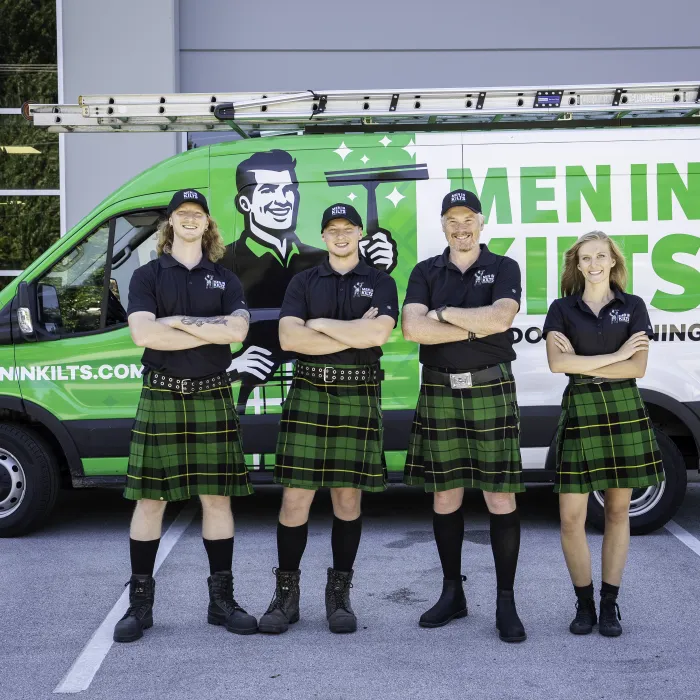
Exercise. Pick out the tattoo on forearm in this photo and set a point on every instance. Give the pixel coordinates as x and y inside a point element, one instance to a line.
<point>243,313</point>
<point>194,321</point>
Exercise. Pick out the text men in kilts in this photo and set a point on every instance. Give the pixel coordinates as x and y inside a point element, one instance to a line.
<point>186,310</point>
<point>599,336</point>
<point>460,306</point>
<point>335,316</point>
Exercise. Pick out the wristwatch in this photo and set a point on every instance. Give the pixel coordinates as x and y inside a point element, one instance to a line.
<point>439,311</point>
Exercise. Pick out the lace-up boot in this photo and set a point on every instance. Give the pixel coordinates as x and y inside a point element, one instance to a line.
<point>139,616</point>
<point>608,624</point>
<point>284,608</point>
<point>223,608</point>
<point>585,618</point>
<point>341,618</point>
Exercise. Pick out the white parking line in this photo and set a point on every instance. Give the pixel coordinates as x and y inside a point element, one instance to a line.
<point>88,663</point>
<point>684,536</point>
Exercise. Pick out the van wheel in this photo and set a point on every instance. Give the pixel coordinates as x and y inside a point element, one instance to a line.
<point>651,507</point>
<point>29,480</point>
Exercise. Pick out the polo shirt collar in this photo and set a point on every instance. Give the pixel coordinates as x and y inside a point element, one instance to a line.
<point>167,260</point>
<point>619,296</point>
<point>486,258</point>
<point>362,269</point>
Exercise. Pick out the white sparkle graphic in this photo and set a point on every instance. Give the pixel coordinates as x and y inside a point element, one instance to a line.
<point>343,151</point>
<point>411,148</point>
<point>385,141</point>
<point>364,159</point>
<point>352,196</point>
<point>395,197</point>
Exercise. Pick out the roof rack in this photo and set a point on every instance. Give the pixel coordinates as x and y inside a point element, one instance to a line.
<point>251,114</point>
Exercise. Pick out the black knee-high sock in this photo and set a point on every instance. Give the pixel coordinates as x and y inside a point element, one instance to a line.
<point>291,543</point>
<point>143,556</point>
<point>505,543</point>
<point>220,553</point>
<point>345,541</point>
<point>449,535</point>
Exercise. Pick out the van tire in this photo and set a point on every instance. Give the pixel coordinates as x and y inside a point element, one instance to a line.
<point>656,505</point>
<point>28,472</point>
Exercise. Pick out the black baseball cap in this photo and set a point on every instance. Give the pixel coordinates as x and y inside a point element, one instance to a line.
<point>183,196</point>
<point>341,211</point>
<point>461,198</point>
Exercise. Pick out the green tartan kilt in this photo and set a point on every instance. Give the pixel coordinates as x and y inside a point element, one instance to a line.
<point>466,438</point>
<point>186,445</point>
<point>331,435</point>
<point>605,439</point>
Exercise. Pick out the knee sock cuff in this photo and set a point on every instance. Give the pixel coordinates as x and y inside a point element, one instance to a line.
<point>502,521</point>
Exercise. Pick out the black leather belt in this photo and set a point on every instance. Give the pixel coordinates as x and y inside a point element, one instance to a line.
<point>187,386</point>
<point>595,380</point>
<point>462,380</point>
<point>338,375</point>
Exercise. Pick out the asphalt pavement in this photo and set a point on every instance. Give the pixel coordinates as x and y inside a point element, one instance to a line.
<point>59,584</point>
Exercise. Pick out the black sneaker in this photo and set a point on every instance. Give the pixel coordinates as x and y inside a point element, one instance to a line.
<point>608,623</point>
<point>451,605</point>
<point>139,616</point>
<point>284,608</point>
<point>223,608</point>
<point>586,617</point>
<point>341,617</point>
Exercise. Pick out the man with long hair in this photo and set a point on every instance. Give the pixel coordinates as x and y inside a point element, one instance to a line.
<point>460,306</point>
<point>599,336</point>
<point>185,310</point>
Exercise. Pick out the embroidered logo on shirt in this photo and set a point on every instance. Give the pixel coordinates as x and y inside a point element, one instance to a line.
<point>617,317</point>
<point>214,284</point>
<point>482,278</point>
<point>359,291</point>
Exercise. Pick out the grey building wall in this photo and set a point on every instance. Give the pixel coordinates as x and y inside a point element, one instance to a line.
<point>222,45</point>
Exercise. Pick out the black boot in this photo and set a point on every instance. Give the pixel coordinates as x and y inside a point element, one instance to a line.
<point>508,624</point>
<point>608,624</point>
<point>339,612</point>
<point>223,608</point>
<point>585,618</point>
<point>451,605</point>
<point>139,616</point>
<point>284,608</point>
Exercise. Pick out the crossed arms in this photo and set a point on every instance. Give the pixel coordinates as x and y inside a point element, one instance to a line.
<point>185,332</point>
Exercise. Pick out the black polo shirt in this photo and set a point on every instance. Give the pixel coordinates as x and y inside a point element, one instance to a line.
<point>437,282</point>
<point>321,292</point>
<point>165,287</point>
<point>623,316</point>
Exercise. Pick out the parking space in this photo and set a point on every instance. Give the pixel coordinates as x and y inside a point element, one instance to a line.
<point>59,584</point>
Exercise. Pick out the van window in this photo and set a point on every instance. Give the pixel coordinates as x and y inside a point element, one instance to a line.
<point>72,297</point>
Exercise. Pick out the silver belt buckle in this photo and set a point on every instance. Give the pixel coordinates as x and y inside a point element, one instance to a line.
<point>325,378</point>
<point>461,381</point>
<point>183,390</point>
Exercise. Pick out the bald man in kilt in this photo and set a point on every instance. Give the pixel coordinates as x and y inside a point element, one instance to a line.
<point>460,306</point>
<point>185,310</point>
<point>335,316</point>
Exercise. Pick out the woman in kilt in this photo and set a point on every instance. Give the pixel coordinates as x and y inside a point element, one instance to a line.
<point>599,336</point>
<point>336,316</point>
<point>185,310</point>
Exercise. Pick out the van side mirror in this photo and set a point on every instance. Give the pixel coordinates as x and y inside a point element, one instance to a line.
<point>49,308</point>
<point>25,317</point>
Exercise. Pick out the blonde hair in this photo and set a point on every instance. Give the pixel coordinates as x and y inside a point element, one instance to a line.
<point>212,242</point>
<point>572,280</point>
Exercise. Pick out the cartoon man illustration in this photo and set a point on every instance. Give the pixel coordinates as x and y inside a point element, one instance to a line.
<point>266,256</point>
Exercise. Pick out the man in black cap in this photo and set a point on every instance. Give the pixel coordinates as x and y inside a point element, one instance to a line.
<point>460,307</point>
<point>185,310</point>
<point>335,316</point>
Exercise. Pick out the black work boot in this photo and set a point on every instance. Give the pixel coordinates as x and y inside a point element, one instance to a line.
<point>451,605</point>
<point>284,608</point>
<point>139,616</point>
<point>339,612</point>
<point>585,618</point>
<point>608,624</point>
<point>508,624</point>
<point>223,608</point>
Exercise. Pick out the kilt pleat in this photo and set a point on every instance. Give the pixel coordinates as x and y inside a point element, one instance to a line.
<point>605,439</point>
<point>331,435</point>
<point>466,438</point>
<point>186,445</point>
